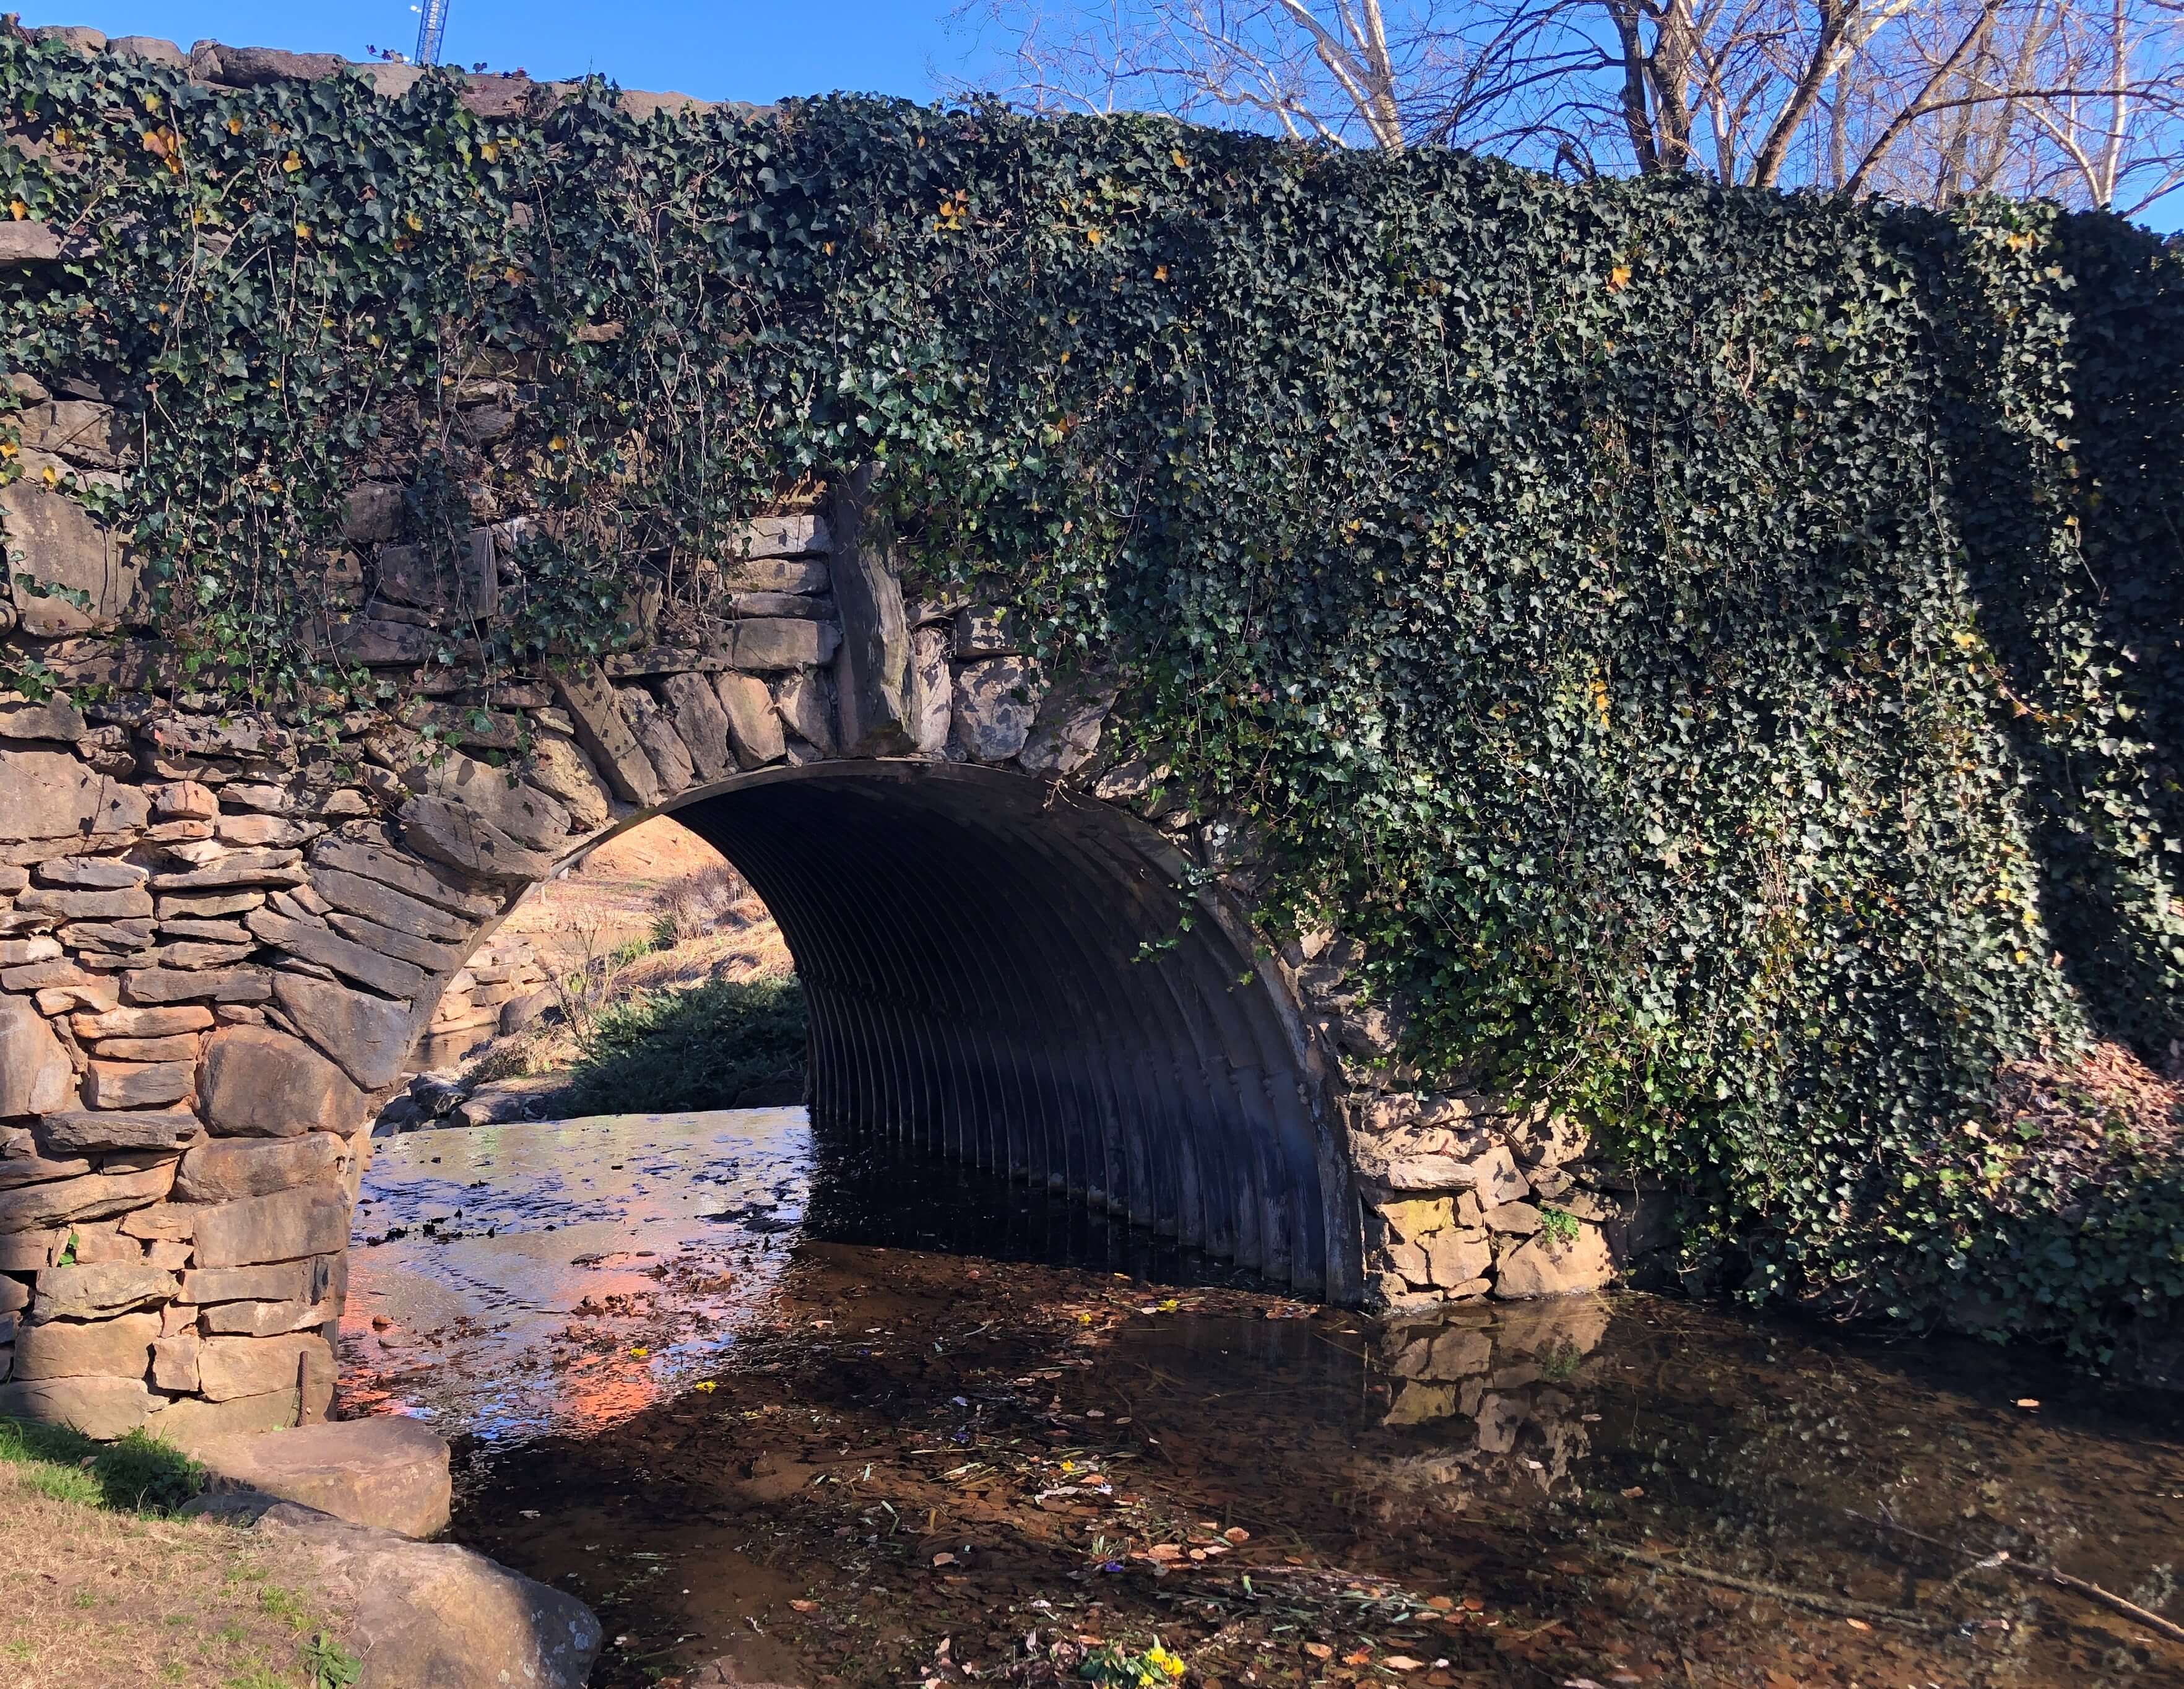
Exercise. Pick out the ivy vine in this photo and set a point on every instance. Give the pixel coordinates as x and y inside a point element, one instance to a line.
<point>1721,649</point>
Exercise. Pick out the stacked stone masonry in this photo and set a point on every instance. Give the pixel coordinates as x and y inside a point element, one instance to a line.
<point>221,941</point>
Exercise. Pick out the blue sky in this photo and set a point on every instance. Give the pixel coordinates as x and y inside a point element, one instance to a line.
<point>756,50</point>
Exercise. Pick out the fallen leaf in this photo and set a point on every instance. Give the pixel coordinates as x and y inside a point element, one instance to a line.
<point>1857,1624</point>
<point>1439,1604</point>
<point>944,1559</point>
<point>1319,1650</point>
<point>2028,1402</point>
<point>1236,1533</point>
<point>804,1606</point>
<point>1405,1663</point>
<point>1633,1493</point>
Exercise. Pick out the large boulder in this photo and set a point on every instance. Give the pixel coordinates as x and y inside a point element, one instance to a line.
<point>388,1473</point>
<point>422,1614</point>
<point>264,1084</point>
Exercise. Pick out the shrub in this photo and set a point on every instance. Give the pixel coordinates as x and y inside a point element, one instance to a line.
<point>666,1051</point>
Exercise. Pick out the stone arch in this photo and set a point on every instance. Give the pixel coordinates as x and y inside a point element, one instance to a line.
<point>220,940</point>
<point>997,972</point>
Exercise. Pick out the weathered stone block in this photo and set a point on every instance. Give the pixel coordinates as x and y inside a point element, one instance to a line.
<point>120,1347</point>
<point>314,941</point>
<point>18,1170</point>
<point>101,1407</point>
<point>557,766</point>
<point>420,878</point>
<point>1541,1267</point>
<point>1066,731</point>
<point>175,986</point>
<point>264,866</point>
<point>368,1036</point>
<point>93,873</point>
<point>61,545</point>
<point>492,795</point>
<point>224,1169</point>
<point>595,708</point>
<point>174,1362</point>
<point>663,746</point>
<point>267,1318</point>
<point>262,1083</point>
<point>311,1219</point>
<point>89,1198</point>
<point>753,729</point>
<point>447,833</point>
<point>276,1281</point>
<point>795,535</point>
<point>229,1368</point>
<point>85,1131</point>
<point>430,1613</point>
<point>35,1077</point>
<point>929,690</point>
<point>769,645</point>
<point>65,904</point>
<point>694,708</point>
<point>191,1420</point>
<point>994,706</point>
<point>985,630</point>
<point>871,671</point>
<point>136,1085</point>
<point>140,1022</point>
<point>1456,1257</point>
<point>803,576</point>
<point>182,1047</point>
<point>94,1292</point>
<point>802,702</point>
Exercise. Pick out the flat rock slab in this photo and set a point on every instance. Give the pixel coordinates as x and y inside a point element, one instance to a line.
<point>430,1616</point>
<point>390,1473</point>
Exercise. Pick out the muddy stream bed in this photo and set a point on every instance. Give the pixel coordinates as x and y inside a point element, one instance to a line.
<point>852,1418</point>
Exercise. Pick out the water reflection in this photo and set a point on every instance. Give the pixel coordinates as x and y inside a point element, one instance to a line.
<point>837,1387</point>
<point>502,1276</point>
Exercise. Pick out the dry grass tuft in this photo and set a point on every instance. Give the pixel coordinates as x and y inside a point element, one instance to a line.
<point>96,1597</point>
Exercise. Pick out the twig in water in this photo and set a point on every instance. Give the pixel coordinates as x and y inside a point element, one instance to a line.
<point>1824,1603</point>
<point>2002,1562</point>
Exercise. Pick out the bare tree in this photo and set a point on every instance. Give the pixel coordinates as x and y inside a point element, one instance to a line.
<point>1920,99</point>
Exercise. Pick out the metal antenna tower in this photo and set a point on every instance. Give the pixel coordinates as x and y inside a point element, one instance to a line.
<point>432,23</point>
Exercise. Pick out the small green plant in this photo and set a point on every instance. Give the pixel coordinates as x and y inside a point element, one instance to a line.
<point>1560,1226</point>
<point>1116,1667</point>
<point>283,1605</point>
<point>331,1666</point>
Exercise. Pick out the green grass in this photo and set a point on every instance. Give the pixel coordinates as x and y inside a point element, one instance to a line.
<point>138,1473</point>
<point>662,1052</point>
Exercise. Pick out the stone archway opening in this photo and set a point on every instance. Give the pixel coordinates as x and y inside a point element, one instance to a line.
<point>1000,973</point>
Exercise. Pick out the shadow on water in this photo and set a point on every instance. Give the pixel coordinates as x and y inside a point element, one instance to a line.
<point>891,1195</point>
<point>940,1427</point>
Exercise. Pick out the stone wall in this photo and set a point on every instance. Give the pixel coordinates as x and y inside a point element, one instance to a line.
<point>221,937</point>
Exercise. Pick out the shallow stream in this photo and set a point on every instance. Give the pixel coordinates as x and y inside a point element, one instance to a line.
<point>853,1419</point>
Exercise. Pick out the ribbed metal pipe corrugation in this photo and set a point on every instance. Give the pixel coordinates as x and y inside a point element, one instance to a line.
<point>973,947</point>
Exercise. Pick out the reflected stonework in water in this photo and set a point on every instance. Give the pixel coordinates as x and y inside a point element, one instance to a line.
<point>937,1427</point>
